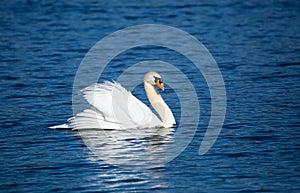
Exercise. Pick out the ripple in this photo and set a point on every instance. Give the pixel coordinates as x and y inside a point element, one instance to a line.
<point>256,45</point>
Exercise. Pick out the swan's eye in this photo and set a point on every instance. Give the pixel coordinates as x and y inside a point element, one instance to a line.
<point>159,83</point>
<point>157,79</point>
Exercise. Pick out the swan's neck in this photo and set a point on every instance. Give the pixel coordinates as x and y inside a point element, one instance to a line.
<point>159,105</point>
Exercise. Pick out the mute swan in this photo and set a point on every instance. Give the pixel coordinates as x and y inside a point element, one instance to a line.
<point>113,107</point>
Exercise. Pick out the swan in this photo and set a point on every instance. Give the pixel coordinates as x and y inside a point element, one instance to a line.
<point>113,107</point>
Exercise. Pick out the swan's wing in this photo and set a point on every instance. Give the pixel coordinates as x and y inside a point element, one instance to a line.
<point>91,119</point>
<point>141,114</point>
<point>114,107</point>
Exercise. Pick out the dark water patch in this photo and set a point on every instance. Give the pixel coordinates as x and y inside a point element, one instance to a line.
<point>289,64</point>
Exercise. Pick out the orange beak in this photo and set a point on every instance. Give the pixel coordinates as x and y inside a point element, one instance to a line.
<point>160,85</point>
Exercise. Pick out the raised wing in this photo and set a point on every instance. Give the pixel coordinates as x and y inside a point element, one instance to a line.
<point>113,107</point>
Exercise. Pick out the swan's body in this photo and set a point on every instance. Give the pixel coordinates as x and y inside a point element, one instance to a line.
<point>113,107</point>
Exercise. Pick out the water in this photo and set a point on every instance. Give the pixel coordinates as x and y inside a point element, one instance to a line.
<point>256,45</point>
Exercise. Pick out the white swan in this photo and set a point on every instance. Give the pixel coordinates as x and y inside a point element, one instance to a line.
<point>113,107</point>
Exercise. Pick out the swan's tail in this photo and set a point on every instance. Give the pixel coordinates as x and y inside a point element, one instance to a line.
<point>62,126</point>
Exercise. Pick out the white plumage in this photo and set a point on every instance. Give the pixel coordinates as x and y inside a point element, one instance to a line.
<point>113,107</point>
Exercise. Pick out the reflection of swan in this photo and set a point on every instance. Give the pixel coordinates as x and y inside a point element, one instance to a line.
<point>113,107</point>
<point>131,148</point>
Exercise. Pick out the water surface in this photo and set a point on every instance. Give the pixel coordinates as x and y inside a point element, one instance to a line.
<point>255,43</point>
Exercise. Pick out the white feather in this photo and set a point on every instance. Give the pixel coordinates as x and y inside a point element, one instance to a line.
<point>113,107</point>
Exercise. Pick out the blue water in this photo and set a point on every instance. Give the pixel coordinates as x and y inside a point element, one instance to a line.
<point>256,45</point>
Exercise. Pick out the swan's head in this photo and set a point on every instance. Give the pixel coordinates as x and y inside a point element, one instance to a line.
<point>154,78</point>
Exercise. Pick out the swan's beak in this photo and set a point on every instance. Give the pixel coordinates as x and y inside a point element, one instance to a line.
<point>160,85</point>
